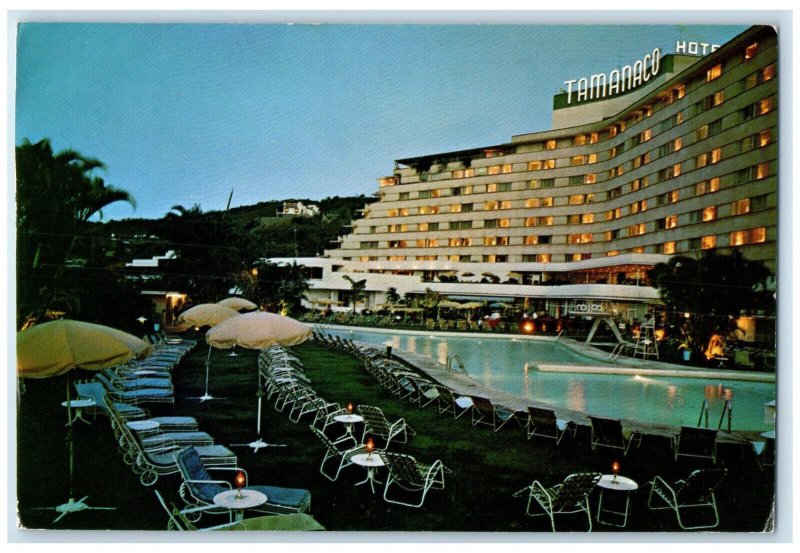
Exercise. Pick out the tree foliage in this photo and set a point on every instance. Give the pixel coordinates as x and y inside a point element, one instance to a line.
<point>704,296</point>
<point>358,290</point>
<point>57,256</point>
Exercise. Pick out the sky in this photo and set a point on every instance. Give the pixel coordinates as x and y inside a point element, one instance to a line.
<point>183,114</point>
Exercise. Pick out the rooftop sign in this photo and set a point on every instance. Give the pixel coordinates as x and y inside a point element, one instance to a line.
<point>617,81</point>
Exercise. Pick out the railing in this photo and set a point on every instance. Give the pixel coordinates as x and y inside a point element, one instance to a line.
<point>727,409</point>
<point>452,359</point>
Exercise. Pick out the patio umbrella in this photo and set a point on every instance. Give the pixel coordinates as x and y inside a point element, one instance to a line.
<point>206,314</point>
<point>55,348</point>
<point>468,274</point>
<point>449,304</point>
<point>237,304</point>
<point>257,331</point>
<point>499,305</point>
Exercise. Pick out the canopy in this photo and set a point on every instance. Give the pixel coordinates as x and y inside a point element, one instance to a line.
<point>472,305</point>
<point>56,347</point>
<point>237,304</point>
<point>448,304</point>
<point>206,314</point>
<point>257,330</point>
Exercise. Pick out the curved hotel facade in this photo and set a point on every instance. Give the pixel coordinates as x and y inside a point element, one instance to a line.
<point>673,155</point>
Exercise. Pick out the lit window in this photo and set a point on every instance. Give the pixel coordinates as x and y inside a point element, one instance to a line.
<point>458,174</point>
<point>701,133</point>
<point>677,144</point>
<point>706,186</point>
<point>534,165</point>
<point>392,213</point>
<point>612,253</point>
<point>646,135</point>
<point>577,199</point>
<point>504,223</point>
<point>714,72</point>
<point>403,212</point>
<point>637,249</point>
<point>751,51</point>
<point>740,207</point>
<point>531,240</point>
<point>668,248</point>
<point>549,164</point>
<point>578,160</point>
<point>676,170</point>
<point>764,138</point>
<point>590,178</point>
<point>531,221</point>
<point>494,170</point>
<point>532,202</point>
<point>505,168</point>
<point>547,202</point>
<point>491,205</point>
<point>593,138</point>
<point>396,258</point>
<point>491,187</point>
<point>421,227</point>
<point>717,98</point>
<point>455,208</point>
<point>592,158</point>
<point>762,170</point>
<point>671,222</point>
<point>462,190</point>
<point>709,213</point>
<point>636,230</point>
<point>715,155</point>
<point>768,72</point>
<point>673,196</point>
<point>579,140</point>
<point>583,238</point>
<point>428,209</point>
<point>708,242</point>
<point>425,258</point>
<point>765,106</point>
<point>543,258</point>
<point>587,218</point>
<point>550,144</point>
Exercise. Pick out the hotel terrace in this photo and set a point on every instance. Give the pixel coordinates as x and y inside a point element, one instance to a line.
<point>674,155</point>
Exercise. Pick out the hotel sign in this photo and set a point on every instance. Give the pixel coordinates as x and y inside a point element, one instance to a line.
<point>617,81</point>
<point>602,85</point>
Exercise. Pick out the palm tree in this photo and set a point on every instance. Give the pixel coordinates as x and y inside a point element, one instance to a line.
<point>358,290</point>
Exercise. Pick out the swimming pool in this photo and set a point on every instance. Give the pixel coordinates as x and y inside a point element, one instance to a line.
<point>509,365</point>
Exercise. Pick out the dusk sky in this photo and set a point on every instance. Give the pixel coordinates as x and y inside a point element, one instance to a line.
<point>183,114</point>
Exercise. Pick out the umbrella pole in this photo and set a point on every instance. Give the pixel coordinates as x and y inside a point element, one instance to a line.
<point>258,443</point>
<point>206,395</point>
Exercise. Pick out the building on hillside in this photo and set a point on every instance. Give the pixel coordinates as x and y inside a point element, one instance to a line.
<point>674,154</point>
<point>298,209</point>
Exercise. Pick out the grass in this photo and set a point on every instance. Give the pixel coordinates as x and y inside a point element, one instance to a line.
<point>487,467</point>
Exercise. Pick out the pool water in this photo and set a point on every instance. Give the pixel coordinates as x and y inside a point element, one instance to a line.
<point>509,365</point>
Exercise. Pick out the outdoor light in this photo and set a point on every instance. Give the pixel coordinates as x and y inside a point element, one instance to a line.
<point>142,319</point>
<point>349,407</point>
<point>615,467</point>
<point>370,447</point>
<point>239,480</point>
<point>528,327</point>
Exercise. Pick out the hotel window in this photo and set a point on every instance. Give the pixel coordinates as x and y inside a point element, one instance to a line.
<point>594,137</point>
<point>583,238</point>
<point>578,160</point>
<point>751,51</point>
<point>612,253</point>
<point>498,169</point>
<point>646,135</point>
<point>428,209</point>
<point>708,242</point>
<point>673,196</point>
<point>636,207</point>
<point>490,223</point>
<point>706,186</point>
<point>575,180</point>
<point>590,178</point>
<point>578,199</point>
<point>701,133</point>
<point>403,212</point>
<point>764,138</point>
<point>550,145</point>
<point>714,72</point>
<point>768,73</point>
<point>613,153</point>
<point>636,230</point>
<point>397,243</point>
<point>547,202</point>
<point>638,161</point>
<point>676,145</point>
<point>580,256</point>
<point>751,236</point>
<point>492,258</point>
<point>368,245</point>
<point>466,208</point>
<point>709,214</point>
<point>579,140</point>
<point>614,214</point>
<point>456,242</point>
<point>403,196</point>
<point>463,173</point>
<point>535,165</point>
<point>549,164</point>
<point>543,258</point>
<point>762,171</point>
<point>392,213</point>
<point>428,226</point>
<point>740,207</point>
<point>547,183</point>
<point>757,203</point>
<point>670,222</point>
<point>492,187</point>
<point>460,225</point>
<point>396,258</point>
<point>462,190</point>
<point>495,240</point>
<point>427,243</point>
<point>504,187</point>
<point>765,106</point>
<point>668,248</point>
<point>610,235</point>
<point>425,258</point>
<point>587,218</point>
<point>531,240</point>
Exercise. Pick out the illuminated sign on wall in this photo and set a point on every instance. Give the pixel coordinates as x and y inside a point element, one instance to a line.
<point>694,48</point>
<point>617,81</point>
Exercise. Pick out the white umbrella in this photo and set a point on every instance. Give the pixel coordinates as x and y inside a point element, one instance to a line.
<point>237,303</point>
<point>257,331</point>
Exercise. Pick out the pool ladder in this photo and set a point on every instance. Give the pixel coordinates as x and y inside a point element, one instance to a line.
<point>452,360</point>
<point>727,409</point>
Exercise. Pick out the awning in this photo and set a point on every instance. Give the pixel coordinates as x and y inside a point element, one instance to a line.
<point>481,298</point>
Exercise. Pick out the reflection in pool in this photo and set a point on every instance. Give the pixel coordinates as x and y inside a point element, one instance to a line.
<point>509,365</point>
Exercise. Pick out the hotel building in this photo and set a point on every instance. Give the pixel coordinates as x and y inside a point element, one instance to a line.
<point>673,155</point>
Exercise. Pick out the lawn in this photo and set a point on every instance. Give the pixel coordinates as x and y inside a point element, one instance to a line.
<point>487,467</point>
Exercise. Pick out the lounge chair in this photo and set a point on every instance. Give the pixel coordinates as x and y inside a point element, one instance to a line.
<point>609,433</point>
<point>198,488</point>
<point>545,424</point>
<point>142,395</point>
<point>569,497</point>
<point>132,382</point>
<point>332,451</point>
<point>94,390</point>
<point>376,424</point>
<point>696,442</point>
<point>424,392</point>
<point>405,472</point>
<point>696,492</point>
<point>764,451</point>
<point>486,412</point>
<point>448,402</point>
